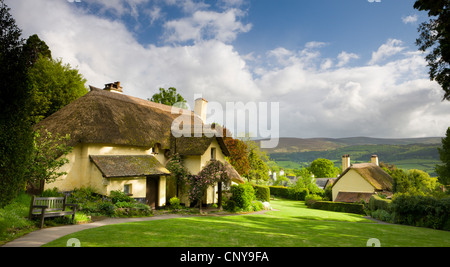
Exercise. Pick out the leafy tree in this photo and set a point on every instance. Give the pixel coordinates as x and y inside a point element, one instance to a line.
<point>35,48</point>
<point>259,171</point>
<point>323,168</point>
<point>238,153</point>
<point>15,129</point>
<point>435,35</point>
<point>47,159</point>
<point>169,97</point>
<point>414,182</point>
<point>443,170</point>
<point>54,86</point>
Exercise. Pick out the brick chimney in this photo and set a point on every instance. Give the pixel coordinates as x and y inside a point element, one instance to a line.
<point>114,87</point>
<point>345,162</point>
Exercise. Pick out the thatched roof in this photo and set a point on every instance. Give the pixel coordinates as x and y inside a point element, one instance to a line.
<point>128,166</point>
<point>191,146</point>
<point>234,175</point>
<point>373,174</point>
<point>352,197</point>
<point>106,117</point>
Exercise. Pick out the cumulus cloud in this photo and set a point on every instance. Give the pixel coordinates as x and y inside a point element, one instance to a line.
<point>345,57</point>
<point>222,26</point>
<point>390,96</point>
<point>390,48</point>
<point>410,19</point>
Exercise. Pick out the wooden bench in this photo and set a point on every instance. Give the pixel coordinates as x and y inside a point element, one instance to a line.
<point>46,207</point>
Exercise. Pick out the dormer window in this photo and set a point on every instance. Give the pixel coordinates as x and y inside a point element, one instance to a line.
<point>213,153</point>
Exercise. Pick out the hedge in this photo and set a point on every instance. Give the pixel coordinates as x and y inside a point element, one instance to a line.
<point>289,192</point>
<point>378,203</point>
<point>423,211</point>
<point>262,192</point>
<point>339,207</point>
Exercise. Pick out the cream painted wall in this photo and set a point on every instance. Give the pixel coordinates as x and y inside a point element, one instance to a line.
<point>81,172</point>
<point>138,185</point>
<point>352,182</point>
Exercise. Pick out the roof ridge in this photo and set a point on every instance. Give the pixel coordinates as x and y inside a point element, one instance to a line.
<point>136,100</point>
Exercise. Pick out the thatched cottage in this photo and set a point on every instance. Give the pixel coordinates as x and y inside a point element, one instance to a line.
<point>361,181</point>
<point>123,143</point>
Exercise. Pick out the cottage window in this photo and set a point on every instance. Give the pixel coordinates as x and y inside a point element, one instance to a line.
<point>127,189</point>
<point>213,153</point>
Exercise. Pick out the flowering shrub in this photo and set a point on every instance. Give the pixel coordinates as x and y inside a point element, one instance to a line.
<point>212,173</point>
<point>175,166</point>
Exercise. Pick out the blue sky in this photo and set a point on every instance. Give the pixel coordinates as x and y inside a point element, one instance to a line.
<point>337,68</point>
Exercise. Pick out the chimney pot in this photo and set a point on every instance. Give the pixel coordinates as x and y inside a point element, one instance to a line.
<point>114,87</point>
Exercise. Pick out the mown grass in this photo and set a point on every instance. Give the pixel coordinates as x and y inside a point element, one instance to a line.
<point>292,224</point>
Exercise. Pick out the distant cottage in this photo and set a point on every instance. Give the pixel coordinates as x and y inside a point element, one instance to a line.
<point>123,143</point>
<point>361,181</point>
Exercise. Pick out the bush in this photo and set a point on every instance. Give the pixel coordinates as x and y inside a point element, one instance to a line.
<point>257,205</point>
<point>128,209</point>
<point>339,207</point>
<point>13,217</point>
<point>311,199</point>
<point>423,211</point>
<point>83,195</point>
<point>262,192</point>
<point>107,208</point>
<point>175,203</point>
<point>51,193</point>
<point>382,215</point>
<point>119,196</point>
<point>241,198</point>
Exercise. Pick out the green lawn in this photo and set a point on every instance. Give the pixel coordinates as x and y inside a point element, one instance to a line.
<point>293,225</point>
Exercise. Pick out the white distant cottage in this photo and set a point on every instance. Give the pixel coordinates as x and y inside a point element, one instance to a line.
<point>361,181</point>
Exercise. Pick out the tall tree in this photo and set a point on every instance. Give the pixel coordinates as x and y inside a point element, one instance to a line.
<point>435,35</point>
<point>47,158</point>
<point>259,171</point>
<point>35,48</point>
<point>323,168</point>
<point>54,85</point>
<point>168,97</point>
<point>238,151</point>
<point>16,136</point>
<point>443,170</point>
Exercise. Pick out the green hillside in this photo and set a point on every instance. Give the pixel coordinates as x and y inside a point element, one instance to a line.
<point>418,153</point>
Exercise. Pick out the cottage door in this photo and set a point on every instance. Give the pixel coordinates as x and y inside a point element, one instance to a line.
<point>152,191</point>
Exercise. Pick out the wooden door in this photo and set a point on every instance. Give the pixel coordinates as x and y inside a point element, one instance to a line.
<point>152,191</point>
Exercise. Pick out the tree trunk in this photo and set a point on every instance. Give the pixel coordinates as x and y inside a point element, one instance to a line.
<point>219,198</point>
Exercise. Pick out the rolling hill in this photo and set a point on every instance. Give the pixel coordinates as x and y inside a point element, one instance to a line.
<point>410,153</point>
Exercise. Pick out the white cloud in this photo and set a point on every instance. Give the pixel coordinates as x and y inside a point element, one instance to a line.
<point>394,99</point>
<point>222,26</point>
<point>345,57</point>
<point>410,19</point>
<point>390,97</point>
<point>390,48</point>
